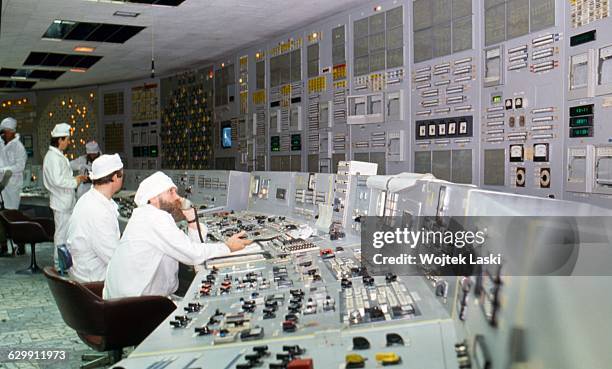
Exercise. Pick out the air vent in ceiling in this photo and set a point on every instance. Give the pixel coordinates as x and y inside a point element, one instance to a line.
<point>31,73</point>
<point>94,32</point>
<point>61,60</point>
<point>157,2</point>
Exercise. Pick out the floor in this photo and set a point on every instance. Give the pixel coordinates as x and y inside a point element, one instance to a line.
<point>29,318</point>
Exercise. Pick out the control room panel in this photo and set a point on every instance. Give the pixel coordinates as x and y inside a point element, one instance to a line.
<point>300,296</point>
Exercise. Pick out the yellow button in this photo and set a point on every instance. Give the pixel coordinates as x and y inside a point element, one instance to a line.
<point>354,359</point>
<point>388,358</point>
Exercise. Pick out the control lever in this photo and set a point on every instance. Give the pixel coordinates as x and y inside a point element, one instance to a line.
<point>186,204</point>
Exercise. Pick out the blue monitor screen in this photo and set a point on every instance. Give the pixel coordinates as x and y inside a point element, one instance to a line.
<point>226,137</point>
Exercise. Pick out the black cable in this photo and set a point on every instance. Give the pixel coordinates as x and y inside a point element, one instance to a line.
<point>195,212</point>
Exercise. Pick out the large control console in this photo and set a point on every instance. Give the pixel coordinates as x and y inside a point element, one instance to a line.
<point>299,297</point>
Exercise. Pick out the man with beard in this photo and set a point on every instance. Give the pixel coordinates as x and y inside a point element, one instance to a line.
<point>146,262</point>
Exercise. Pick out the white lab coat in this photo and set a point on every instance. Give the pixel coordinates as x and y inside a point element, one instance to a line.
<point>146,261</point>
<point>93,236</point>
<point>81,165</point>
<point>58,180</point>
<point>13,157</point>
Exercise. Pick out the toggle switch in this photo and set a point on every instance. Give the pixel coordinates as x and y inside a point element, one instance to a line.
<point>390,277</point>
<point>263,350</point>
<point>289,326</point>
<point>394,339</point>
<point>360,343</point>
<point>294,350</point>
<point>202,331</point>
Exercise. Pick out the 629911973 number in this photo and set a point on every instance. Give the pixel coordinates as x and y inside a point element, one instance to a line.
<point>33,355</point>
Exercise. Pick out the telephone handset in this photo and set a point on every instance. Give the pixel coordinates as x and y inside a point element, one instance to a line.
<point>186,204</point>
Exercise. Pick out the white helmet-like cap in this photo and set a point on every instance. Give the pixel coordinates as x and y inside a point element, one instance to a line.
<point>61,130</point>
<point>8,123</point>
<point>92,147</point>
<point>105,165</point>
<point>152,186</point>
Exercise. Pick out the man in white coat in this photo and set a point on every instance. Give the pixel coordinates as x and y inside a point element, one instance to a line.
<point>147,259</point>
<point>83,163</point>
<point>13,159</point>
<point>93,230</point>
<point>58,180</point>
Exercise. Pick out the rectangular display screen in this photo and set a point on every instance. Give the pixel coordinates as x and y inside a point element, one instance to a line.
<point>226,137</point>
<point>576,111</point>
<point>582,38</point>
<point>153,151</point>
<point>296,142</point>
<point>496,99</point>
<point>581,132</point>
<point>581,122</point>
<point>275,143</point>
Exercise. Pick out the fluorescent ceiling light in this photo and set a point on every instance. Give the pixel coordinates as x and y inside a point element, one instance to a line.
<point>121,13</point>
<point>84,49</point>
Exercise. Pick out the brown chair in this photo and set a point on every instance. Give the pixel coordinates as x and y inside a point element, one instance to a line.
<point>106,325</point>
<point>23,230</point>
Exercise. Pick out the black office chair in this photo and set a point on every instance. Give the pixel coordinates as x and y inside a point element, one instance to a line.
<point>23,229</point>
<point>3,182</point>
<point>106,325</point>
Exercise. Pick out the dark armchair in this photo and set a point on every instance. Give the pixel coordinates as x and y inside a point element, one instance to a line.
<point>22,229</point>
<point>106,325</point>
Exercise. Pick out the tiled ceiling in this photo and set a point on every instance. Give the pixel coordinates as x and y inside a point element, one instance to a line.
<point>191,34</point>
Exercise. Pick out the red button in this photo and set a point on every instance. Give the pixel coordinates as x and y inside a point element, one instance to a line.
<point>300,364</point>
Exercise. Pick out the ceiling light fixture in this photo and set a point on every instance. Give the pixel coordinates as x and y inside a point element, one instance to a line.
<point>78,70</point>
<point>84,49</point>
<point>121,13</point>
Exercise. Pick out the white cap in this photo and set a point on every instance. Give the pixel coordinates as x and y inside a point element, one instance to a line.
<point>61,130</point>
<point>92,147</point>
<point>152,186</point>
<point>105,165</point>
<point>8,123</point>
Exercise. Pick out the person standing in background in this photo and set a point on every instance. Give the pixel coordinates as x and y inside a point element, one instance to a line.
<point>58,180</point>
<point>13,158</point>
<point>82,164</point>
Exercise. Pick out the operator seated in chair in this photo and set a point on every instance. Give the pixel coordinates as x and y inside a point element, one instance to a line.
<point>146,262</point>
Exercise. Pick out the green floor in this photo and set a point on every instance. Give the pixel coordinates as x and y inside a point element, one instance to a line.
<point>29,318</point>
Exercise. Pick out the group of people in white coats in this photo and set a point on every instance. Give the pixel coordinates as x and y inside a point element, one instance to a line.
<point>142,261</point>
<point>13,158</point>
